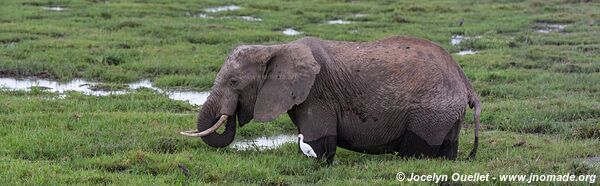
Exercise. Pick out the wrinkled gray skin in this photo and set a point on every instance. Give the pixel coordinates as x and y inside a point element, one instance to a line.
<point>399,94</point>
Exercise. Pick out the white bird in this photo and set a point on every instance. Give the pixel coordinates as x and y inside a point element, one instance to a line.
<point>305,147</point>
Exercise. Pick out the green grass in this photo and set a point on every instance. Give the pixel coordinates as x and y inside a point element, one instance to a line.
<point>539,88</point>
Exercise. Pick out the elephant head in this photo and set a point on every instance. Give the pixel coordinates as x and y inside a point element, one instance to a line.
<point>255,82</point>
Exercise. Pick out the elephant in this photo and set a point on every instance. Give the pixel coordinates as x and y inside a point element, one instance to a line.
<point>399,94</point>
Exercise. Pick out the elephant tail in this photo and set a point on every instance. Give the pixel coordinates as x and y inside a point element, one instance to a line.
<point>474,103</point>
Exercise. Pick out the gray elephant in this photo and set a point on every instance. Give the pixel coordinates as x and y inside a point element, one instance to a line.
<point>396,95</point>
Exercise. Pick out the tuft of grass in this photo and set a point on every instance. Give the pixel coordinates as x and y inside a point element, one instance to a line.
<point>186,81</point>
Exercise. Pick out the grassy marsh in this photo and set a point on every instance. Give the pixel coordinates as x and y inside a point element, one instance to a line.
<point>538,88</point>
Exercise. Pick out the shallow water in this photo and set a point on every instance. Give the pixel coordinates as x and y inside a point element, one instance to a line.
<point>206,16</point>
<point>196,98</point>
<point>265,142</point>
<point>291,32</point>
<point>466,52</point>
<point>338,22</point>
<point>250,18</point>
<point>54,8</point>
<point>202,16</point>
<point>83,86</point>
<point>551,28</point>
<point>222,8</point>
<point>457,39</point>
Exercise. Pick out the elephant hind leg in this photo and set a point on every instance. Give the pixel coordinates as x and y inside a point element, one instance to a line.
<point>449,148</point>
<point>413,145</point>
<point>431,133</point>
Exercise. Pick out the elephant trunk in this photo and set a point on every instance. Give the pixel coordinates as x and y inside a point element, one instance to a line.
<point>211,117</point>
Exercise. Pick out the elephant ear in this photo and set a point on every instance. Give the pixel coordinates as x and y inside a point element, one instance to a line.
<point>290,74</point>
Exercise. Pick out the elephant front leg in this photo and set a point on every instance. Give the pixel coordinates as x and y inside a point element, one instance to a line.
<point>319,131</point>
<point>324,147</point>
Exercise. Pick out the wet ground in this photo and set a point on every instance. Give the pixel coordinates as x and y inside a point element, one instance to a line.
<point>545,28</point>
<point>199,15</point>
<point>548,28</point>
<point>291,32</point>
<point>55,8</point>
<point>250,18</point>
<point>265,142</point>
<point>222,8</point>
<point>88,88</point>
<point>338,22</point>
<point>457,39</point>
<point>466,52</point>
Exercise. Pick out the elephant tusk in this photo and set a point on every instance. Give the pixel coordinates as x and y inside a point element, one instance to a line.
<point>196,133</point>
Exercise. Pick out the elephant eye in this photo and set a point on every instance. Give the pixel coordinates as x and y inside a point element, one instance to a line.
<point>233,83</point>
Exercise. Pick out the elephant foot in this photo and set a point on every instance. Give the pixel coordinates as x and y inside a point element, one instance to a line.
<point>448,150</point>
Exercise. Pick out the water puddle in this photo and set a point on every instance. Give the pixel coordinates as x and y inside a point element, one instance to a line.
<point>338,22</point>
<point>195,98</point>
<point>222,8</point>
<point>198,15</point>
<point>54,8</point>
<point>206,16</point>
<point>263,143</point>
<point>466,52</point>
<point>457,39</point>
<point>250,18</point>
<point>291,32</point>
<point>87,87</point>
<point>551,28</point>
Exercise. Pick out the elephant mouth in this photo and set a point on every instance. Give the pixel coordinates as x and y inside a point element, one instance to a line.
<point>213,128</point>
